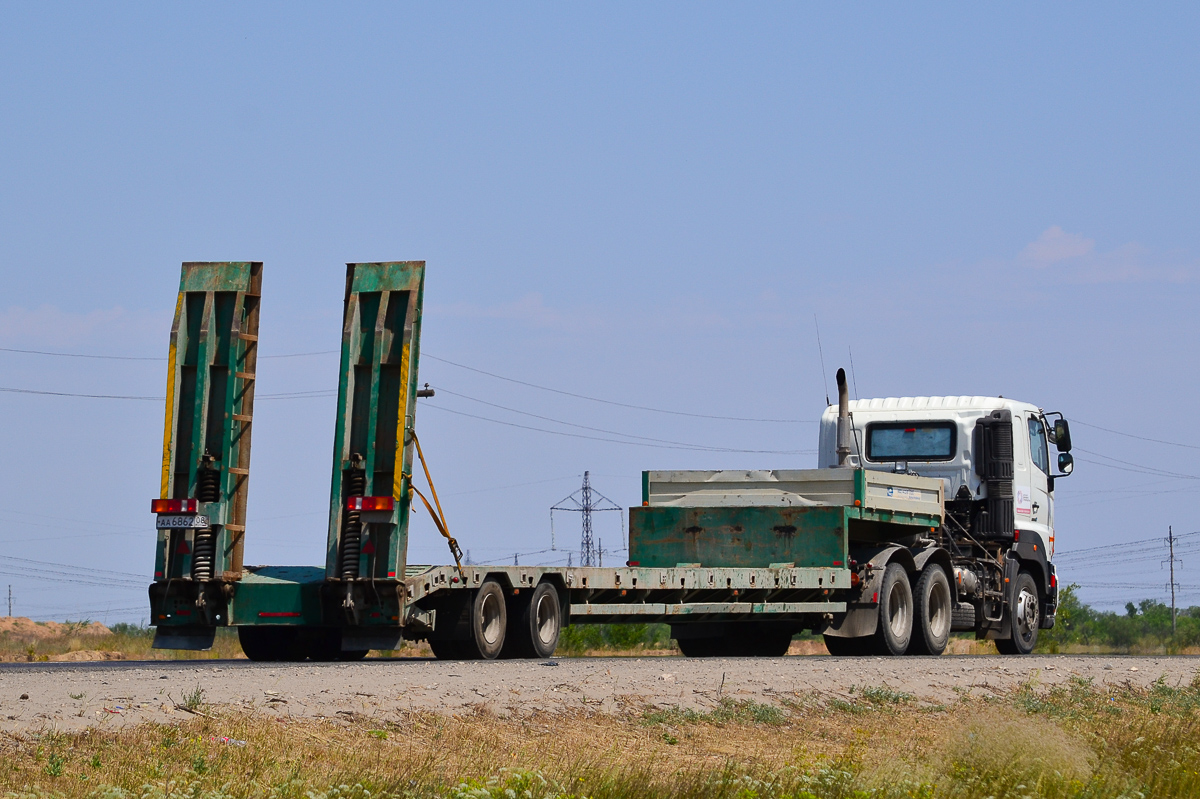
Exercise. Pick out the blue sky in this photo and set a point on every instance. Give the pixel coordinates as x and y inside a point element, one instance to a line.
<point>641,203</point>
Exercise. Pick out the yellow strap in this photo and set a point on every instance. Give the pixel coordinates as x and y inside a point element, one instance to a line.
<point>439,518</point>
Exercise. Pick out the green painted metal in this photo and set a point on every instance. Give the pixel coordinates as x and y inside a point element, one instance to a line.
<point>279,595</point>
<point>376,406</point>
<point>749,536</point>
<point>206,437</point>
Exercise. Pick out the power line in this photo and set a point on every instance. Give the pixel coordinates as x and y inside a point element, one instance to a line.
<point>1137,467</point>
<point>1131,435</point>
<point>585,427</point>
<point>1123,544</point>
<point>617,440</point>
<point>145,357</point>
<point>285,395</point>
<point>614,402</point>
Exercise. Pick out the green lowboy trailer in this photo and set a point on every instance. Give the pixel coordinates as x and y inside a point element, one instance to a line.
<point>736,562</point>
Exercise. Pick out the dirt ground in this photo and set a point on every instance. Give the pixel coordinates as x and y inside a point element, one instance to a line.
<point>72,696</point>
<point>22,629</point>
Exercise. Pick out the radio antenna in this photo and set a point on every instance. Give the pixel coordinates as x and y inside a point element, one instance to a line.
<point>853,376</point>
<point>824,379</point>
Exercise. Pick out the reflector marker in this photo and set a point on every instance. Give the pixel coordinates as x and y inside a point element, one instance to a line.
<point>370,503</point>
<point>174,506</point>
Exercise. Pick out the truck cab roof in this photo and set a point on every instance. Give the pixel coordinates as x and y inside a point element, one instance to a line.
<point>950,456</point>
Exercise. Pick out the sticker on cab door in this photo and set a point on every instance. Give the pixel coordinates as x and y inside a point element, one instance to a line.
<point>1024,502</point>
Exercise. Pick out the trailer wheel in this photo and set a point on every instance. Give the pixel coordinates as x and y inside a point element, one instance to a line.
<point>271,644</point>
<point>703,647</point>
<point>537,620</point>
<point>489,622</point>
<point>933,613</point>
<point>1025,617</point>
<point>895,612</point>
<point>764,644</point>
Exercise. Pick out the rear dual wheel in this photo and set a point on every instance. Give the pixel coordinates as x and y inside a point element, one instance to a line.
<point>536,621</point>
<point>910,622</point>
<point>528,626</point>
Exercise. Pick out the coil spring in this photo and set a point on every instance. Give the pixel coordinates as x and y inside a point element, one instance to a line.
<point>204,549</point>
<point>355,486</point>
<point>208,485</point>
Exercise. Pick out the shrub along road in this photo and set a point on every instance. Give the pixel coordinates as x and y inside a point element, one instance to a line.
<point>116,695</point>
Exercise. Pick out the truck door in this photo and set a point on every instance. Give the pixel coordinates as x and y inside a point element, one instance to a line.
<point>1034,509</point>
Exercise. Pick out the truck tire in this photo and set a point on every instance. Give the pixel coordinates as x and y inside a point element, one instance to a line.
<point>710,647</point>
<point>536,622</point>
<point>271,644</point>
<point>895,628</point>
<point>489,622</point>
<point>764,644</point>
<point>933,613</point>
<point>848,647</point>
<point>1025,616</point>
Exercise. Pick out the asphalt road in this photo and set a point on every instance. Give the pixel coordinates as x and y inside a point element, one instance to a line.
<point>121,693</point>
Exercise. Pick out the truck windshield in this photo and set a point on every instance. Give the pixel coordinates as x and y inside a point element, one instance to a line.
<point>910,441</point>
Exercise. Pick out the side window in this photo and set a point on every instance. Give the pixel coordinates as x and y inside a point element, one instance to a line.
<point>1037,444</point>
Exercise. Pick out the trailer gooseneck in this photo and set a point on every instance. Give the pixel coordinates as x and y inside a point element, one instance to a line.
<point>907,532</point>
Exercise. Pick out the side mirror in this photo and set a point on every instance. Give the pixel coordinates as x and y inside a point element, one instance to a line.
<point>1062,436</point>
<point>1065,463</point>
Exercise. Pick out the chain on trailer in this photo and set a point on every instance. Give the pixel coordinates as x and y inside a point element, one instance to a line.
<point>201,509</point>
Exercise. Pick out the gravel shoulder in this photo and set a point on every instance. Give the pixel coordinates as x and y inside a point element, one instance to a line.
<point>116,695</point>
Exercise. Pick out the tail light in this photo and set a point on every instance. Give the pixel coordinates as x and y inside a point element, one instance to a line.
<point>174,506</point>
<point>370,503</point>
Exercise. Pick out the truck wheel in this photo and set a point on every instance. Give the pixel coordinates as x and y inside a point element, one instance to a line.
<point>710,647</point>
<point>933,613</point>
<point>1025,616</point>
<point>271,644</point>
<point>848,647</point>
<point>766,645</point>
<point>324,644</point>
<point>895,612</point>
<point>536,624</point>
<point>489,622</point>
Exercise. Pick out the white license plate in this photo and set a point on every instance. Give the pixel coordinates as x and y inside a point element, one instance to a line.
<point>186,522</point>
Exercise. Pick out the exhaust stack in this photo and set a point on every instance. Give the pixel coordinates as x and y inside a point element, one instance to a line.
<point>843,421</point>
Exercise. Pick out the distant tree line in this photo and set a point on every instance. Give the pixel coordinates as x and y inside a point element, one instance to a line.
<point>1142,628</point>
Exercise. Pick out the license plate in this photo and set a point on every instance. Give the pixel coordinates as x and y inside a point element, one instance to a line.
<point>187,522</point>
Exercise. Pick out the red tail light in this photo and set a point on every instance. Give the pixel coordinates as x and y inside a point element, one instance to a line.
<point>370,503</point>
<point>174,506</point>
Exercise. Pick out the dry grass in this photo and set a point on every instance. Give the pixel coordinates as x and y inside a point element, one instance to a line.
<point>70,642</point>
<point>1068,742</point>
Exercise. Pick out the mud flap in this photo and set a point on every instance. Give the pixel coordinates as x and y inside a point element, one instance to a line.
<point>862,610</point>
<point>196,638</point>
<point>357,639</point>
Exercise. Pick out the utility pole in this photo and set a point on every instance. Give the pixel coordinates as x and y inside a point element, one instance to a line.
<point>586,501</point>
<point>1171,547</point>
<point>10,601</point>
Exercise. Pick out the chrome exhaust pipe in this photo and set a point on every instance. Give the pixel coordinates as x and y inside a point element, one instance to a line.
<point>843,421</point>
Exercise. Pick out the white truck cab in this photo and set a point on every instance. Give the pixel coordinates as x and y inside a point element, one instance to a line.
<point>936,437</point>
<point>993,457</point>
